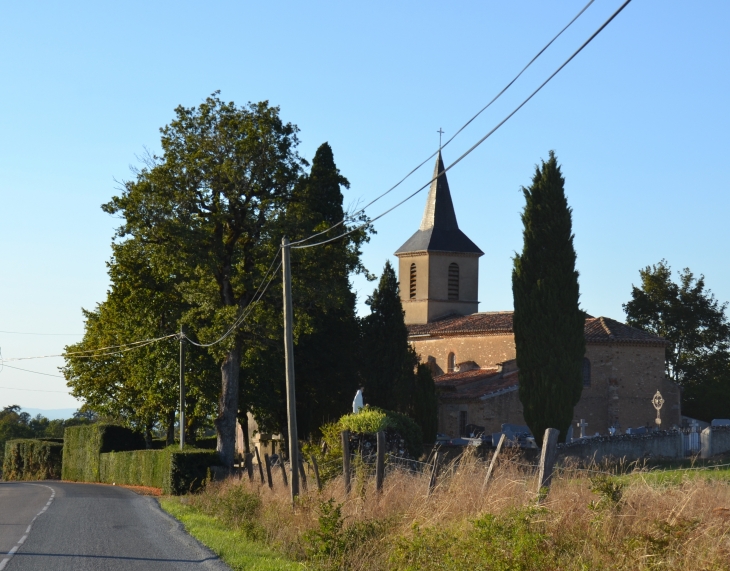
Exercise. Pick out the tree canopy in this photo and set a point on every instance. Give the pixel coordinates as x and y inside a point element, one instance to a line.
<point>694,323</point>
<point>548,322</point>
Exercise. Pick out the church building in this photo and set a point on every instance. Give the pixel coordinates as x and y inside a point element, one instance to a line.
<point>472,353</point>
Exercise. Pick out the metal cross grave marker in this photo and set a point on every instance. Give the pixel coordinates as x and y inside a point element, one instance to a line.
<point>658,402</point>
<point>582,425</point>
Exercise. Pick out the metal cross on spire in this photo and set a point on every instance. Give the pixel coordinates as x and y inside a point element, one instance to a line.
<point>440,132</point>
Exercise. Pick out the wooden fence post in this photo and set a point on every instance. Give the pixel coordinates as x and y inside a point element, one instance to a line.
<point>316,473</point>
<point>302,473</point>
<point>346,459</point>
<point>249,466</point>
<point>434,473</point>
<point>283,472</point>
<point>380,462</point>
<point>493,462</point>
<point>547,459</point>
<point>258,459</point>
<point>267,461</point>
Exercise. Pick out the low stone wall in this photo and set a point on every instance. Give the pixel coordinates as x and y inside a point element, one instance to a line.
<point>715,440</point>
<point>629,447</point>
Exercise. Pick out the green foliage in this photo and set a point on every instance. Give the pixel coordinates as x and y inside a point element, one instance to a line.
<point>425,403</point>
<point>203,210</point>
<point>326,329</point>
<point>139,387</point>
<point>610,490</point>
<point>694,323</point>
<point>388,360</point>
<point>514,541</point>
<point>32,460</point>
<point>548,323</point>
<point>367,421</point>
<point>176,472</point>
<point>135,468</point>
<point>83,446</point>
<point>189,470</point>
<point>328,545</point>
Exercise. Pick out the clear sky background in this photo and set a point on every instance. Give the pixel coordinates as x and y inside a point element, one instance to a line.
<point>639,121</point>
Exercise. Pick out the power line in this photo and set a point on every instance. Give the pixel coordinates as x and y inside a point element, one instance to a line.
<point>3,365</point>
<point>59,334</point>
<point>33,390</point>
<point>92,353</point>
<point>247,310</point>
<point>479,142</point>
<point>464,126</point>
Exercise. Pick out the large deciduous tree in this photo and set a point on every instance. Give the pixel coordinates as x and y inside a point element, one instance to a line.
<point>202,208</point>
<point>548,322</point>
<point>694,323</point>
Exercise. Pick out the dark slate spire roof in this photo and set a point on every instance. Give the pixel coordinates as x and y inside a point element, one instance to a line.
<point>439,230</point>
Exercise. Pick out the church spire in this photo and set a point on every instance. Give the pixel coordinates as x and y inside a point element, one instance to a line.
<point>439,209</point>
<point>439,230</point>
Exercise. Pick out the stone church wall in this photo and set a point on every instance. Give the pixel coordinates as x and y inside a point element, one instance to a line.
<point>624,378</point>
<point>485,350</point>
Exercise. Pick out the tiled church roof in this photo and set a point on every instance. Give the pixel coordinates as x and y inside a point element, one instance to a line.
<point>477,383</point>
<point>597,329</point>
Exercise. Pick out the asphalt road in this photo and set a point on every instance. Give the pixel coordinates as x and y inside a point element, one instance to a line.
<point>81,527</point>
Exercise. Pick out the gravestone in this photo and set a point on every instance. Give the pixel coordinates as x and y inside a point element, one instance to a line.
<point>582,425</point>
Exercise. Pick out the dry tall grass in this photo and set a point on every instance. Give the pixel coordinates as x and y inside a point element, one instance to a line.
<point>587,521</point>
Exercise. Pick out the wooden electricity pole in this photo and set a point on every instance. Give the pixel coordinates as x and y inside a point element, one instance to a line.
<point>182,390</point>
<point>291,402</point>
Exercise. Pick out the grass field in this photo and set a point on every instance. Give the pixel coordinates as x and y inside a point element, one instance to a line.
<point>647,519</point>
<point>231,545</point>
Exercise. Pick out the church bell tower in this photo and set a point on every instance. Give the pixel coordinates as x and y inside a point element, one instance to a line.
<point>438,266</point>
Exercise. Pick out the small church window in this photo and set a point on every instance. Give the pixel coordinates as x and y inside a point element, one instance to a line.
<point>451,363</point>
<point>586,372</point>
<point>462,423</point>
<point>453,281</point>
<point>413,282</point>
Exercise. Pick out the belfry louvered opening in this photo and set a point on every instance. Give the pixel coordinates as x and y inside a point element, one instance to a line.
<point>413,282</point>
<point>453,281</point>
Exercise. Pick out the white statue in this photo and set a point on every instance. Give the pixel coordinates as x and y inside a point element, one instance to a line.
<point>357,404</point>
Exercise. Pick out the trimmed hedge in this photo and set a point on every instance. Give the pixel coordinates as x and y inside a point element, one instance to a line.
<point>83,445</point>
<point>31,459</point>
<point>176,472</point>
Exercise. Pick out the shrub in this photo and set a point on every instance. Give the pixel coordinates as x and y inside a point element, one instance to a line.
<point>29,459</point>
<point>189,470</point>
<point>83,445</point>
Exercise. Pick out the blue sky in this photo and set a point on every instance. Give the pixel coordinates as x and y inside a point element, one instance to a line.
<point>639,121</point>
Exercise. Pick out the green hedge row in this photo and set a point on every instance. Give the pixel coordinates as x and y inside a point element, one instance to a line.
<point>29,459</point>
<point>82,446</point>
<point>176,472</point>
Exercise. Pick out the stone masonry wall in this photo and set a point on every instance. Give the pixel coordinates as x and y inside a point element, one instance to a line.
<point>490,413</point>
<point>662,444</point>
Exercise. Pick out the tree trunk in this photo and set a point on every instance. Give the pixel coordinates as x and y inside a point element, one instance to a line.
<point>148,435</point>
<point>170,440</point>
<point>225,424</point>
<point>244,428</point>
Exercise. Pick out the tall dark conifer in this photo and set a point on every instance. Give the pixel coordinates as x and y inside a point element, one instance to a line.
<point>326,329</point>
<point>548,323</point>
<point>388,361</point>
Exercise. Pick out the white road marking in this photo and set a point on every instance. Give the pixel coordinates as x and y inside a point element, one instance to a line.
<point>21,541</point>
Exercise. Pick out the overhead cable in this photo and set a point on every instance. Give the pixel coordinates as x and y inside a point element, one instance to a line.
<point>464,126</point>
<point>3,365</point>
<point>249,307</point>
<point>479,142</point>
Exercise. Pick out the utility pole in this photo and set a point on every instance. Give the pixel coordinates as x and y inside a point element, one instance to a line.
<point>182,390</point>
<point>291,402</point>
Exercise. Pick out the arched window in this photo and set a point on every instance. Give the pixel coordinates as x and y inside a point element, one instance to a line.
<point>586,372</point>
<point>453,281</point>
<point>413,282</point>
<point>451,363</point>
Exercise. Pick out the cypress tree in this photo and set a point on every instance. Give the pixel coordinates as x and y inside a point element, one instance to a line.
<point>388,360</point>
<point>548,323</point>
